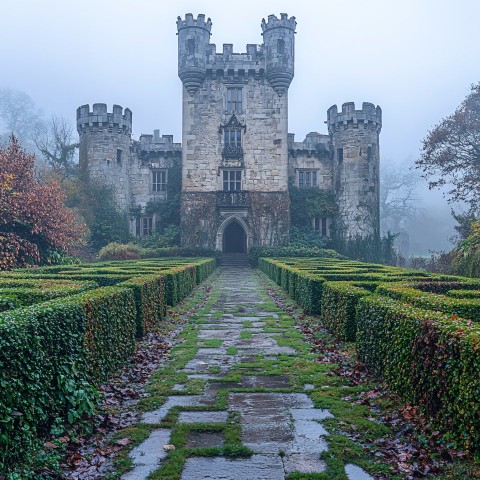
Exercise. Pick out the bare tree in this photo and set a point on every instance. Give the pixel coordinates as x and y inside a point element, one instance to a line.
<point>18,116</point>
<point>56,142</point>
<point>399,201</point>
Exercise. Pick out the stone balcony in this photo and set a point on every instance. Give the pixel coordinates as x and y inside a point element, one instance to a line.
<point>238,198</point>
<point>232,153</point>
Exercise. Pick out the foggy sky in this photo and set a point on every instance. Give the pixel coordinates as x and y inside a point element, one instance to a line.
<point>414,58</point>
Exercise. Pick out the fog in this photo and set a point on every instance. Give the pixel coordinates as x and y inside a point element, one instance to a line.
<point>416,59</point>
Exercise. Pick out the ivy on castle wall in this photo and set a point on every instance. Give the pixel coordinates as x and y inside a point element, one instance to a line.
<point>308,203</point>
<point>167,211</point>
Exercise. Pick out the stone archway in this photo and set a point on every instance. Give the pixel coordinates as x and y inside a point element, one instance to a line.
<point>233,236</point>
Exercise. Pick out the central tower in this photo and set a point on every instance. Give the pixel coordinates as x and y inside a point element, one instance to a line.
<point>235,136</point>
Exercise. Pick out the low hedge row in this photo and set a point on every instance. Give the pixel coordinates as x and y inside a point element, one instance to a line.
<point>429,359</point>
<point>54,354</point>
<point>463,307</point>
<point>30,292</point>
<point>408,329</point>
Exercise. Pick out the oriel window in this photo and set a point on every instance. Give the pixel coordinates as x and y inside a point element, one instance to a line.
<point>232,138</point>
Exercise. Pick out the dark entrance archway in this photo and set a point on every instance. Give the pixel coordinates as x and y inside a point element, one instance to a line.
<point>234,238</point>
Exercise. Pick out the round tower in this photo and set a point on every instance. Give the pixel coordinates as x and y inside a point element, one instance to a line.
<point>279,39</point>
<point>193,39</point>
<point>105,146</point>
<point>355,140</point>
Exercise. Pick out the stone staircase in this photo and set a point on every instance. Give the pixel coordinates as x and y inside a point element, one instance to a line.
<point>234,260</point>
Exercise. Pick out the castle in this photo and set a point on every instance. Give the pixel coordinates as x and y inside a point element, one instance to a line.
<point>237,159</point>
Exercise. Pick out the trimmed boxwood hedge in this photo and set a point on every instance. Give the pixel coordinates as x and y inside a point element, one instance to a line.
<point>53,354</point>
<point>43,375</point>
<point>408,328</point>
<point>339,303</point>
<point>429,359</point>
<point>463,307</point>
<point>149,292</point>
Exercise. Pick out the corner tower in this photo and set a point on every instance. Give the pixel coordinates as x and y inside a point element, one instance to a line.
<point>279,39</point>
<point>355,139</point>
<point>193,40</point>
<point>105,147</point>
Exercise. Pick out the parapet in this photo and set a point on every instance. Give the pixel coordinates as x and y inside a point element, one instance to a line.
<point>198,22</point>
<point>283,22</point>
<point>99,118</point>
<point>370,116</point>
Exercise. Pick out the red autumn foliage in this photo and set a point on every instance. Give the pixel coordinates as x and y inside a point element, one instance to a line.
<point>33,218</point>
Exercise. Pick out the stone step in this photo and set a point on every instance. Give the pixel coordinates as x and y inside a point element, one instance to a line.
<point>234,260</point>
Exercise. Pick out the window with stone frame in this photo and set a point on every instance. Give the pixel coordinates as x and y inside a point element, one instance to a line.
<point>232,180</point>
<point>307,178</point>
<point>159,181</point>
<point>144,226</point>
<point>234,100</point>
<point>322,226</point>
<point>232,138</point>
<point>281,46</point>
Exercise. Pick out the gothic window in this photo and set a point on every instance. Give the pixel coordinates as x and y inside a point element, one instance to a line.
<point>307,179</point>
<point>232,138</point>
<point>144,226</point>
<point>234,100</point>
<point>232,180</point>
<point>159,181</point>
<point>191,46</point>
<point>321,225</point>
<point>281,46</point>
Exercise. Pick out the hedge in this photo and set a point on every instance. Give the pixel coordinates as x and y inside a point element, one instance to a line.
<point>463,307</point>
<point>43,375</point>
<point>30,292</point>
<point>429,359</point>
<point>339,303</point>
<point>54,354</point>
<point>415,329</point>
<point>149,293</point>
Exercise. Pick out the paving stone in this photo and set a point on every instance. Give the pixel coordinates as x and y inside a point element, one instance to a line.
<point>356,473</point>
<point>303,463</point>
<point>266,381</point>
<point>203,417</point>
<point>156,416</point>
<point>204,439</point>
<point>258,467</point>
<point>148,454</point>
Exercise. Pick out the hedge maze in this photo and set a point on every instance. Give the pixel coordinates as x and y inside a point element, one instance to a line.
<point>417,330</point>
<point>66,329</point>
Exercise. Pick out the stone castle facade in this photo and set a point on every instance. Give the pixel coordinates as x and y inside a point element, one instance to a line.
<point>237,159</point>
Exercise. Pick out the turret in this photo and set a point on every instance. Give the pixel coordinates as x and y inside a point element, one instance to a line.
<point>279,39</point>
<point>193,40</point>
<point>105,146</point>
<point>355,140</point>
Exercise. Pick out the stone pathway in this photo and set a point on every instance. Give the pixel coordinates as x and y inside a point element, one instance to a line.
<point>278,421</point>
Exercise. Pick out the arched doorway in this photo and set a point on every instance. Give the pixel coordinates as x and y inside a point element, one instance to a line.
<point>234,238</point>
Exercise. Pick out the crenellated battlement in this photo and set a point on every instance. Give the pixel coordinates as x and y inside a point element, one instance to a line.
<point>282,22</point>
<point>370,116</point>
<point>198,22</point>
<point>99,118</point>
